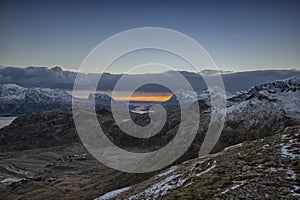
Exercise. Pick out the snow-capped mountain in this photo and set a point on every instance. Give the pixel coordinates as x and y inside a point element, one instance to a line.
<point>105,101</point>
<point>278,97</point>
<point>184,95</point>
<point>100,99</point>
<point>252,114</point>
<point>284,92</point>
<point>261,111</point>
<point>18,100</point>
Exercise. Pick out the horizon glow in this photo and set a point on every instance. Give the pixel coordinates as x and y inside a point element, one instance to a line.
<point>122,95</point>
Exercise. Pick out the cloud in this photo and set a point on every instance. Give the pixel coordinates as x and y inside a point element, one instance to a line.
<point>57,78</point>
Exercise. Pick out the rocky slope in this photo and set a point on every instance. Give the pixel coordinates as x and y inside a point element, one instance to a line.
<point>263,169</point>
<point>261,110</point>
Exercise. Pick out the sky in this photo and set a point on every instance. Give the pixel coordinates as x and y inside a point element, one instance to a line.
<point>238,35</point>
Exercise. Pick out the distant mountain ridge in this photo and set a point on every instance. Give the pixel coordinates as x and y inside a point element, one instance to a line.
<point>249,115</point>
<point>16,100</point>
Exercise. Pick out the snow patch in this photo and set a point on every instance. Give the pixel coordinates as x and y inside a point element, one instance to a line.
<point>171,170</point>
<point>239,184</point>
<point>289,145</point>
<point>11,168</point>
<point>233,146</point>
<point>296,191</point>
<point>11,180</point>
<point>291,174</point>
<point>207,170</point>
<point>161,187</point>
<point>112,194</point>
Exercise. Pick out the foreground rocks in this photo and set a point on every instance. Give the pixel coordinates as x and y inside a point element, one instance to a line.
<point>263,169</point>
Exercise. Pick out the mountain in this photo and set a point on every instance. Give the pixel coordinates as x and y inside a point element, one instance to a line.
<point>263,109</point>
<point>42,156</point>
<point>105,101</point>
<point>282,97</point>
<point>260,169</point>
<point>56,78</point>
<point>187,97</point>
<point>284,92</point>
<point>17,100</point>
<point>251,115</point>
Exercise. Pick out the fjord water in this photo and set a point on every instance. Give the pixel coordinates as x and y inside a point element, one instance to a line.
<point>4,121</point>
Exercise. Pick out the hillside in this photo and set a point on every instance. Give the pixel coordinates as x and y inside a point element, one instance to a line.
<point>262,169</point>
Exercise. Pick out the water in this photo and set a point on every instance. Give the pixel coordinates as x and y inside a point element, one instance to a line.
<point>4,121</point>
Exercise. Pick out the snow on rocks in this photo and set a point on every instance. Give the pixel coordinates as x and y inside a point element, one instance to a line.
<point>172,169</point>
<point>290,140</point>
<point>237,185</point>
<point>161,188</point>
<point>112,194</point>
<point>174,180</point>
<point>11,180</point>
<point>290,144</point>
<point>205,171</point>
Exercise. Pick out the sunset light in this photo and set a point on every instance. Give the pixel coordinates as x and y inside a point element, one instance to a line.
<point>151,98</point>
<point>124,96</point>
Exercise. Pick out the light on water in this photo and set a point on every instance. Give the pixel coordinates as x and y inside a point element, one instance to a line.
<point>4,121</point>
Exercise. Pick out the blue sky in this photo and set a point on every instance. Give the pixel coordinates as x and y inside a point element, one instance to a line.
<point>239,35</point>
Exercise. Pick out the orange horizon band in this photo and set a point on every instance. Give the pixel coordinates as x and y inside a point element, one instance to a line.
<point>143,98</point>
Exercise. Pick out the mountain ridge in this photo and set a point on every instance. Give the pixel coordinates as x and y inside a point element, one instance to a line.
<point>43,157</point>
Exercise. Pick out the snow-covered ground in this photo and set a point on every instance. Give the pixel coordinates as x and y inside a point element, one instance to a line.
<point>172,179</point>
<point>112,194</point>
<point>11,180</point>
<point>16,92</point>
<point>290,149</point>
